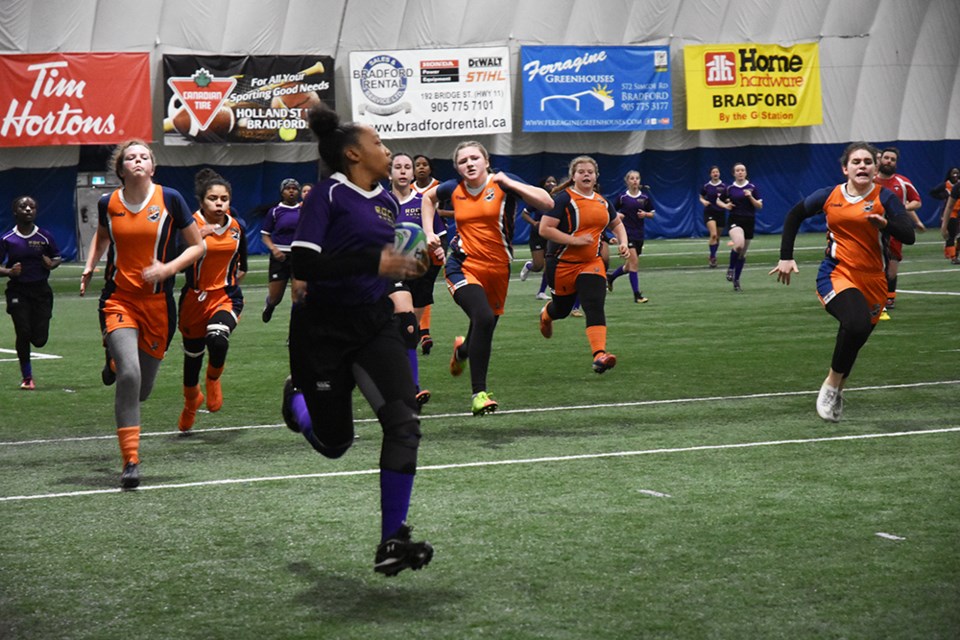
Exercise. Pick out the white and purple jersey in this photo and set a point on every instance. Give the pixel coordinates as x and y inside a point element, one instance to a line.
<point>28,250</point>
<point>742,206</point>
<point>342,218</point>
<point>410,208</point>
<point>712,192</point>
<point>280,224</point>
<point>631,206</point>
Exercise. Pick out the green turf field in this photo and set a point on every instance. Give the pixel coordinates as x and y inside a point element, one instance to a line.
<point>691,492</point>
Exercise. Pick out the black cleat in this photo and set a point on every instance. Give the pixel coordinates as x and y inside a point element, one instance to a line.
<point>107,375</point>
<point>426,344</point>
<point>399,552</point>
<point>286,408</point>
<point>130,478</point>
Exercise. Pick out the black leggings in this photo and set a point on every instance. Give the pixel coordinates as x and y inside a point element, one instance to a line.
<point>473,300</point>
<point>592,291</point>
<point>851,309</point>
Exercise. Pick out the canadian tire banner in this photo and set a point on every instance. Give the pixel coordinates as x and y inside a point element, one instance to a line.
<point>243,99</point>
<point>734,86</point>
<point>432,92</point>
<point>74,98</point>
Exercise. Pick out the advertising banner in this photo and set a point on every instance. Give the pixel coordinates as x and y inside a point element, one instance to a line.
<point>731,86</point>
<point>596,88</point>
<point>432,92</point>
<point>74,98</point>
<point>243,99</point>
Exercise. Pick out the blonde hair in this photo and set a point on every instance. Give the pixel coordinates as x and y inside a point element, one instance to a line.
<point>116,160</point>
<point>573,167</point>
<point>630,173</point>
<point>471,143</point>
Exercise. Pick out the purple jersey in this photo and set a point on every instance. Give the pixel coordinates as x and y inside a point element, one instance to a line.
<point>28,250</point>
<point>410,209</point>
<point>340,217</point>
<point>711,193</point>
<point>741,203</point>
<point>280,224</point>
<point>631,206</point>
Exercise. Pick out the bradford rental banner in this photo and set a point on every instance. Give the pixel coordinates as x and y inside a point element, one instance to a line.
<point>72,98</point>
<point>731,86</point>
<point>596,88</point>
<point>432,92</point>
<point>241,99</point>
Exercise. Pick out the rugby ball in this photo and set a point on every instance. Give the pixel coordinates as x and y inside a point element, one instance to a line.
<point>410,240</point>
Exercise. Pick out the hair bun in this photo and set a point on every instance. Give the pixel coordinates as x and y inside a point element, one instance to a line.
<point>323,120</point>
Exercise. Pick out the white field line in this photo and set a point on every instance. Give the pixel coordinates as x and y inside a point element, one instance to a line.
<point>581,407</point>
<point>486,463</point>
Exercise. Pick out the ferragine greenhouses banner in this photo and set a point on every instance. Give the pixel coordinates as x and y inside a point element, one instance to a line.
<point>596,88</point>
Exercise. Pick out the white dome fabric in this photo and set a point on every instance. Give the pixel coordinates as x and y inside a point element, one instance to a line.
<point>889,68</point>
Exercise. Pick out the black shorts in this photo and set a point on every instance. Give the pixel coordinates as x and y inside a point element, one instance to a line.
<point>279,270</point>
<point>636,243</point>
<point>720,217</point>
<point>746,223</point>
<point>421,289</point>
<point>536,242</point>
<point>31,300</point>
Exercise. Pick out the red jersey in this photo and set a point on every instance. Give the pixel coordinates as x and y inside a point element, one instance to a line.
<point>901,187</point>
<point>225,255</point>
<point>141,233</point>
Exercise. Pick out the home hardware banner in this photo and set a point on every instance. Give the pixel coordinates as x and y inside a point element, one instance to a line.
<point>596,88</point>
<point>243,99</point>
<point>432,92</point>
<point>732,86</point>
<point>74,98</point>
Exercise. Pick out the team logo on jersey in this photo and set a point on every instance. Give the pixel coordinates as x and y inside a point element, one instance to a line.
<point>491,194</point>
<point>235,234</point>
<point>153,213</point>
<point>868,207</point>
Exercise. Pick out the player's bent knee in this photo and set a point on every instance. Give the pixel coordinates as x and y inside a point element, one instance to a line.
<point>401,436</point>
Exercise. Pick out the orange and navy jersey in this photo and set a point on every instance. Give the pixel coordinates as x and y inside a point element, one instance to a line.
<point>954,191</point>
<point>225,255</point>
<point>581,215</point>
<point>433,182</point>
<point>901,187</point>
<point>139,234</point>
<point>484,219</point>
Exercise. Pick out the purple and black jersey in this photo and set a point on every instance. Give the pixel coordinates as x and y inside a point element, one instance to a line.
<point>28,250</point>
<point>631,206</point>
<point>281,224</point>
<point>711,192</point>
<point>742,207</point>
<point>341,218</point>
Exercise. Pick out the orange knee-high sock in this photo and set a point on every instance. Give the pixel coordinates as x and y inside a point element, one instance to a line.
<point>425,320</point>
<point>950,252</point>
<point>129,438</point>
<point>214,373</point>
<point>597,335</point>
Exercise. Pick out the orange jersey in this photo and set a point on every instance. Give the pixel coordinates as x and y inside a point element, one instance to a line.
<point>580,216</point>
<point>225,255</point>
<point>484,220</point>
<point>851,239</point>
<point>138,237</point>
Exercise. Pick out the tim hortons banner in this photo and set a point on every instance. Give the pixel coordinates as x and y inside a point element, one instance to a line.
<point>74,98</point>
<point>734,86</point>
<point>243,99</point>
<point>432,92</point>
<point>596,88</point>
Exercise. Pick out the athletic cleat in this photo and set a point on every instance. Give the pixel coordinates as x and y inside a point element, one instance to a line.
<point>27,384</point>
<point>577,312</point>
<point>736,286</point>
<point>286,405</point>
<point>214,395</point>
<point>456,364</point>
<point>423,397</point>
<point>525,272</point>
<point>713,262</point>
<point>891,303</point>
<point>483,404</point>
<point>130,478</point>
<point>426,344</point>
<point>543,295</point>
<point>639,299</point>
<point>108,375</point>
<point>729,275</point>
<point>546,323</point>
<point>189,414</point>
<point>267,311</point>
<point>884,315</point>
<point>604,362</point>
<point>399,552</point>
<point>830,403</point>
<point>609,283</point>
